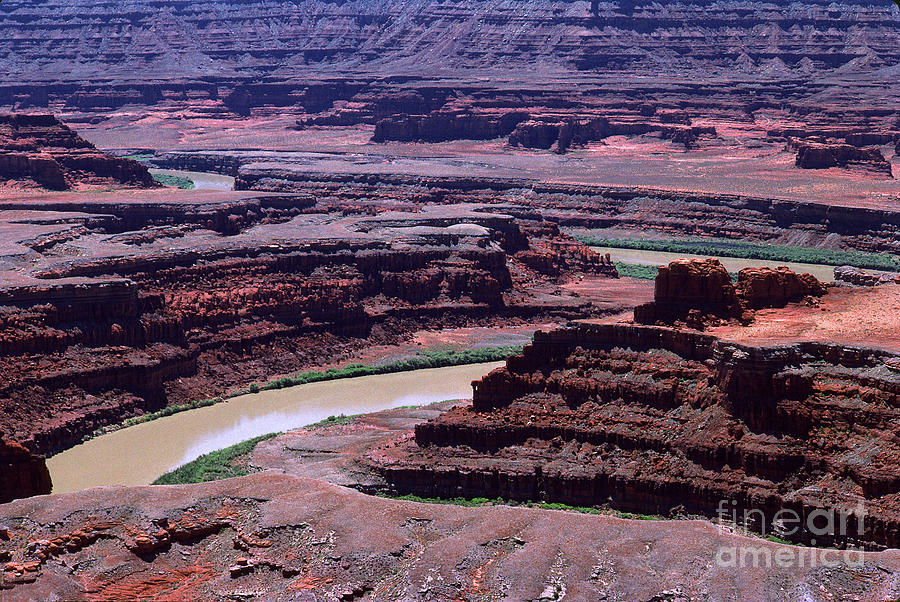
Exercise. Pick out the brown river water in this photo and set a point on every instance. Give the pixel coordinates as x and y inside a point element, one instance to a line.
<point>139,454</point>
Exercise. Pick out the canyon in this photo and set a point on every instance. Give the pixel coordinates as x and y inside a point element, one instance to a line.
<point>614,208</point>
<point>410,176</point>
<point>183,297</point>
<point>116,304</point>
<point>663,420</point>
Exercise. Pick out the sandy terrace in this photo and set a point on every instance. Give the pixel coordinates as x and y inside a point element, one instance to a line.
<point>868,317</point>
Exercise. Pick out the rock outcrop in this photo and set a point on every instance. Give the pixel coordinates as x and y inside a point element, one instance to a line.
<point>562,133</point>
<point>848,274</point>
<point>440,126</point>
<point>757,288</point>
<point>656,420</point>
<point>820,155</point>
<point>22,473</point>
<point>40,149</point>
<point>698,291</point>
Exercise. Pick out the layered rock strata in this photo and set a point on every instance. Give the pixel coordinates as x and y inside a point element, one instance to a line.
<point>656,420</point>
<point>41,150</point>
<point>685,49</point>
<point>22,473</point>
<point>585,206</point>
<point>115,306</point>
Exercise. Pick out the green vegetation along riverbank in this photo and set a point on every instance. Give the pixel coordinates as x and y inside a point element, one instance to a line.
<point>176,181</point>
<point>712,247</point>
<point>646,272</point>
<point>427,359</point>
<point>225,463</point>
<point>232,461</point>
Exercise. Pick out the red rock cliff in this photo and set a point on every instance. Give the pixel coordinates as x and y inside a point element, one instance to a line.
<point>42,150</point>
<point>22,473</point>
<point>651,419</point>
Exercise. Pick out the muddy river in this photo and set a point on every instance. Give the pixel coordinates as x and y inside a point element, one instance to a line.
<point>825,273</point>
<point>139,454</point>
<point>202,180</point>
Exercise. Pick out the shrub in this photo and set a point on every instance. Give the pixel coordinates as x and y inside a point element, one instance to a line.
<point>213,466</point>
<point>176,181</point>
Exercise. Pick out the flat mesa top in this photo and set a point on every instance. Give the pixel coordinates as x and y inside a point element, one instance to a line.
<point>26,199</point>
<point>856,317</point>
<point>864,317</point>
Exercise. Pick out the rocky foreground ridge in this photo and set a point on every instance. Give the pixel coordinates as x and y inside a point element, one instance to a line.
<point>40,150</point>
<point>661,420</point>
<point>280,537</point>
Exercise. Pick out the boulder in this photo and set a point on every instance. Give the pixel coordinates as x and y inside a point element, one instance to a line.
<point>851,275</point>
<point>768,287</point>
<point>822,155</point>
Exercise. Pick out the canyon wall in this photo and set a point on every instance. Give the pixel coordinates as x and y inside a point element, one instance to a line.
<point>547,71</point>
<point>41,150</point>
<point>586,206</point>
<point>114,306</point>
<point>275,37</point>
<point>656,420</point>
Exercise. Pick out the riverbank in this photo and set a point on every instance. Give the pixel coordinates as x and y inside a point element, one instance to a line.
<point>762,254</point>
<point>199,180</point>
<point>420,361</point>
<point>141,453</point>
